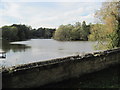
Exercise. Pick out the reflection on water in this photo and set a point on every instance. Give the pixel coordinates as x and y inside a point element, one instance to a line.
<point>36,50</point>
<point>6,46</point>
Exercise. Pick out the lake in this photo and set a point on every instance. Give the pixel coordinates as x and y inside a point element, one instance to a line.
<point>36,50</point>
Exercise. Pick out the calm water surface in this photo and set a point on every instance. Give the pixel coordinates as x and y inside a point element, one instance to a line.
<point>35,50</point>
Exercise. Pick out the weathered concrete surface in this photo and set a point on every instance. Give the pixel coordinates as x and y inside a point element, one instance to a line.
<point>41,73</point>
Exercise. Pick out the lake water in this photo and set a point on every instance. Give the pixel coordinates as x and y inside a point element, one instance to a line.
<point>36,50</point>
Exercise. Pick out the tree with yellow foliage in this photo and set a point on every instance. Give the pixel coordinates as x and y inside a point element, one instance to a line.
<point>110,29</point>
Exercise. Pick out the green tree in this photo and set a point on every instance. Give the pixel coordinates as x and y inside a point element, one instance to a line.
<point>72,32</point>
<point>75,33</point>
<point>84,31</point>
<point>14,32</point>
<point>6,32</point>
<point>18,32</point>
<point>63,33</point>
<point>9,33</point>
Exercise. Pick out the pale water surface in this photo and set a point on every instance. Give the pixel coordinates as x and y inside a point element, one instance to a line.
<point>36,50</point>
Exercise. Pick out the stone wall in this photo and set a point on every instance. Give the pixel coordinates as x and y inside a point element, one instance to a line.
<point>55,70</point>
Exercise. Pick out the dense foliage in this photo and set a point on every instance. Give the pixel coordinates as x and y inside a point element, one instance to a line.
<point>109,30</point>
<point>106,31</point>
<point>72,32</point>
<point>22,32</point>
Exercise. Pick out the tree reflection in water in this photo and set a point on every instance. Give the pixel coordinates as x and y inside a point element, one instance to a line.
<point>6,46</point>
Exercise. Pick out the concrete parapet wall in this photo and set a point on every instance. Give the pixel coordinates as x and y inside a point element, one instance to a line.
<point>55,70</point>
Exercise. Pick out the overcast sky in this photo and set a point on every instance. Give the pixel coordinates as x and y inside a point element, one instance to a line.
<point>47,14</point>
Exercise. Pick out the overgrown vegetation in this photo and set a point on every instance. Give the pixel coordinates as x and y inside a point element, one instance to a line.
<point>22,32</point>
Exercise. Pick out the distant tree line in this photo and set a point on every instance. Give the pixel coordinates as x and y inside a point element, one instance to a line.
<point>70,32</point>
<point>106,32</point>
<point>18,32</point>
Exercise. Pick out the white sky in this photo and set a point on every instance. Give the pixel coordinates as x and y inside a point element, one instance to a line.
<point>46,14</point>
<point>53,0</point>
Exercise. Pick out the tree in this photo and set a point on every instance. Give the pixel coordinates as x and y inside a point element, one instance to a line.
<point>84,31</point>
<point>97,31</point>
<point>72,32</point>
<point>63,33</point>
<point>109,16</point>
<point>18,32</point>
<point>5,32</point>
<point>75,33</point>
<point>14,32</point>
